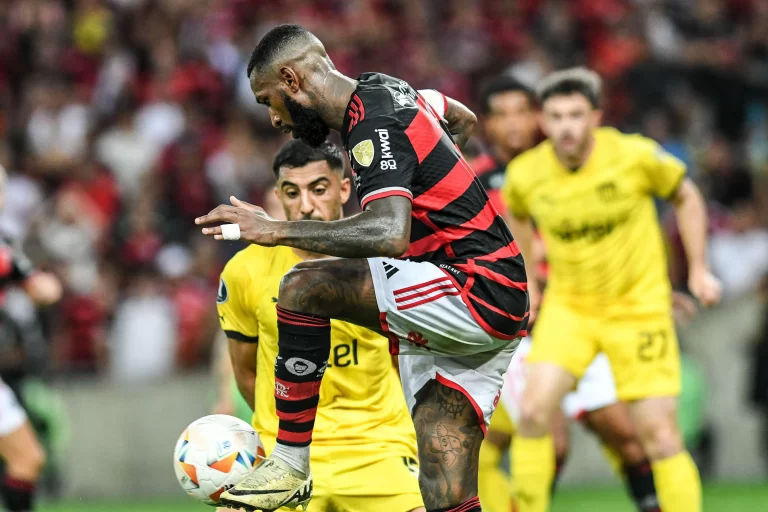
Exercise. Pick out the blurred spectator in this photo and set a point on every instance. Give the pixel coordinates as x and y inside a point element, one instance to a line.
<point>127,152</point>
<point>739,253</point>
<point>142,340</point>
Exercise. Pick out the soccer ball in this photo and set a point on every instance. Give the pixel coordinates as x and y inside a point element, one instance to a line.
<point>213,454</point>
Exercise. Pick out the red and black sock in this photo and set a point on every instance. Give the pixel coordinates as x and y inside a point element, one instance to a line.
<point>304,343</point>
<point>559,465</point>
<point>18,495</point>
<point>471,505</point>
<point>641,487</point>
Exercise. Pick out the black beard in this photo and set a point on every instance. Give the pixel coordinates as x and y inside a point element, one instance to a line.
<point>307,125</point>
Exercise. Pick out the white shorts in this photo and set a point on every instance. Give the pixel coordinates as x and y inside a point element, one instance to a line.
<point>426,320</point>
<point>12,416</point>
<point>595,390</point>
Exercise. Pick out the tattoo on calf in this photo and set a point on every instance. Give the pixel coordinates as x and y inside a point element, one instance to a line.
<point>449,437</point>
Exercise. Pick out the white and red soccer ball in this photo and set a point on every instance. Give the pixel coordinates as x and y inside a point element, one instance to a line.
<point>213,454</point>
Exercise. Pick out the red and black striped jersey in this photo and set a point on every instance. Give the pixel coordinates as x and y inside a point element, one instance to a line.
<point>398,145</point>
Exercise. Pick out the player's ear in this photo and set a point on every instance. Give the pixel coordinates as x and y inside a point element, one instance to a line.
<point>346,190</point>
<point>597,118</point>
<point>289,77</point>
<point>277,193</point>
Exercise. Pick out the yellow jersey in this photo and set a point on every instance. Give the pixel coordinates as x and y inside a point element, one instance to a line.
<point>361,399</point>
<point>599,223</point>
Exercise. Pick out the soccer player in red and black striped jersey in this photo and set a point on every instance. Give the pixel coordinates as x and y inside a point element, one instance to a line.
<point>429,263</point>
<point>21,452</point>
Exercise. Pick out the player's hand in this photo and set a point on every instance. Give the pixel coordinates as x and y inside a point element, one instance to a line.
<point>43,288</point>
<point>705,287</point>
<point>683,308</point>
<point>256,226</point>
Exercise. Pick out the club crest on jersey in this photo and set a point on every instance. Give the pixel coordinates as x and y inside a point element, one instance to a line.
<point>223,294</point>
<point>363,152</point>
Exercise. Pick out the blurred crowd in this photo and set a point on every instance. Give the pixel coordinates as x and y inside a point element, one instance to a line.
<point>123,120</point>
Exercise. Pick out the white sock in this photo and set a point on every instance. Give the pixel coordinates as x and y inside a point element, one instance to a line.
<point>296,456</point>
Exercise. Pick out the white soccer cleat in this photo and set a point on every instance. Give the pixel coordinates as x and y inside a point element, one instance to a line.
<point>272,485</point>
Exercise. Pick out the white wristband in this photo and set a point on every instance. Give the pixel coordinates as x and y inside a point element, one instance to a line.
<point>230,231</point>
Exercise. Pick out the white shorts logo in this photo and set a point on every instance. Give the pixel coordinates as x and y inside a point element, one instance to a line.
<point>281,390</point>
<point>299,366</point>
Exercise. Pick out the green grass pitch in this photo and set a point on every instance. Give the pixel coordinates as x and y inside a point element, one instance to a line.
<point>721,498</point>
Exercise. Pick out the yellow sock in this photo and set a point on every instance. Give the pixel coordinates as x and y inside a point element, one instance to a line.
<point>493,482</point>
<point>677,483</point>
<point>533,468</point>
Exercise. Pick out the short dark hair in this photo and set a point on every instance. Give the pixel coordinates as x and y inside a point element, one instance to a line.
<point>298,154</point>
<point>501,84</point>
<point>272,43</point>
<point>569,81</point>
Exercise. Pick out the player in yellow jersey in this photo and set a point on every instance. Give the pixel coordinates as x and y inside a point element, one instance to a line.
<point>510,127</point>
<point>590,191</point>
<point>364,445</point>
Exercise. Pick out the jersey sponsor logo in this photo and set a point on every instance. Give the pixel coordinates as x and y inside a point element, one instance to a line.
<point>403,99</point>
<point>363,152</point>
<point>281,390</point>
<point>387,159</point>
<point>223,294</point>
<point>607,191</point>
<point>343,355</point>
<point>299,366</point>
<point>591,232</point>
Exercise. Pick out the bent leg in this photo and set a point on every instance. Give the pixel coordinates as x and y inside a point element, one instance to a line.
<point>25,459</point>
<point>310,295</point>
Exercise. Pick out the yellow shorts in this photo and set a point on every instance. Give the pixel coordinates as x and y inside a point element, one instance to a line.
<point>347,480</point>
<point>642,349</point>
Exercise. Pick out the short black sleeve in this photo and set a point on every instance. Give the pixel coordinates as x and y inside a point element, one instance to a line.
<point>382,158</point>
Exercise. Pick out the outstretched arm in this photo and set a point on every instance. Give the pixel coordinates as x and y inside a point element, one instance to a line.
<point>382,229</point>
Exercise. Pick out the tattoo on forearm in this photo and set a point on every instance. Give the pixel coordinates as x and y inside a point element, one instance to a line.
<point>449,437</point>
<point>365,235</point>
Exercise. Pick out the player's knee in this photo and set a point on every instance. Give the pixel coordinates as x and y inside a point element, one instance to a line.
<point>27,465</point>
<point>661,440</point>
<point>535,418</point>
<point>297,290</point>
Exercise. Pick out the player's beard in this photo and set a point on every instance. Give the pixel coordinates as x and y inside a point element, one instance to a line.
<point>307,124</point>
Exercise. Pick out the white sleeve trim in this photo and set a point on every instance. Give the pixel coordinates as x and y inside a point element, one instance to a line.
<point>435,99</point>
<point>385,190</point>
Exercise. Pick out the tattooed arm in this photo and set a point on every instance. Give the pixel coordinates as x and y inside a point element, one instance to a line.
<point>382,229</point>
